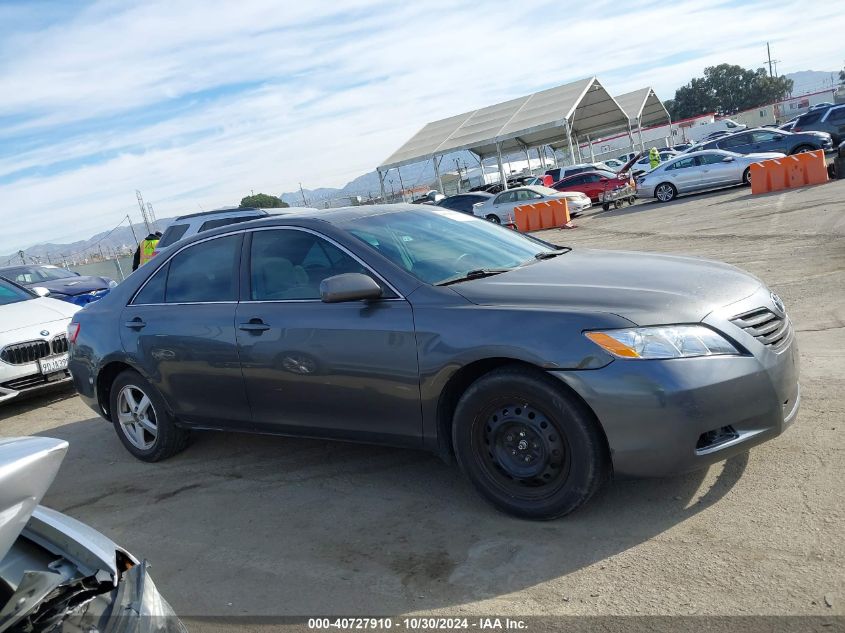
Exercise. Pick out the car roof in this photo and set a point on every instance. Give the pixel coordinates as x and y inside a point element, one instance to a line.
<point>221,211</point>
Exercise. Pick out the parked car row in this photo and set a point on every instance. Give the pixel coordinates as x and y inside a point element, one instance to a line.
<point>770,140</point>
<point>500,208</point>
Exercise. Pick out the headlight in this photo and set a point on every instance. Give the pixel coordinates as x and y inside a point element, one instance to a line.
<point>666,341</point>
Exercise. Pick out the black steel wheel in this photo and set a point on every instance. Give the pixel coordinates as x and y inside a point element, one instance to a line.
<point>493,218</point>
<point>746,176</point>
<point>528,445</point>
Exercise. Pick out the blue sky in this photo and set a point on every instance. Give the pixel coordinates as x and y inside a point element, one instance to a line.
<point>195,103</point>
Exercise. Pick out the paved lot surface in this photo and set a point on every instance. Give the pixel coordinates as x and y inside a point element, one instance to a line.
<point>259,525</point>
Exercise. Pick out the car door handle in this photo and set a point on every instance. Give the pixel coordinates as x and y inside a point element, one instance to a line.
<point>135,324</point>
<point>254,325</point>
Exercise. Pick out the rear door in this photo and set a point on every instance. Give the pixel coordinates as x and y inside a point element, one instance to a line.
<point>685,174</point>
<point>739,143</point>
<point>179,330</point>
<point>324,369</point>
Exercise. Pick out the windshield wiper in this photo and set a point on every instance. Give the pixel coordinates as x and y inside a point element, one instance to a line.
<point>549,255</point>
<point>473,274</point>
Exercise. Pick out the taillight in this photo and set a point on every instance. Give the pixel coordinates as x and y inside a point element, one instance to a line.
<point>796,129</point>
<point>73,332</point>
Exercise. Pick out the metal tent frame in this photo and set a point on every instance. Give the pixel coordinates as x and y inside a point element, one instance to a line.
<point>644,109</point>
<point>555,117</point>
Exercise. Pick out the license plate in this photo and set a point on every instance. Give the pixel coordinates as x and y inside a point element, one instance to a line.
<point>53,364</point>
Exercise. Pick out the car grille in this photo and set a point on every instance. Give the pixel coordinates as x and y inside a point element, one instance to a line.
<point>767,327</point>
<point>59,344</point>
<point>23,353</point>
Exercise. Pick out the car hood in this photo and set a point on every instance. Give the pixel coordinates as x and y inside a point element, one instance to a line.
<point>27,468</point>
<point>644,288</point>
<point>73,285</point>
<point>24,314</point>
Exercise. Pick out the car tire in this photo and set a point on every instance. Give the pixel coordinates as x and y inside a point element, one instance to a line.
<point>527,446</point>
<point>148,431</point>
<point>493,218</point>
<point>803,148</point>
<point>665,192</point>
<point>746,176</point>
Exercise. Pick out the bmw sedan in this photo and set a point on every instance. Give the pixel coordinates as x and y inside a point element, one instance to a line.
<point>541,369</point>
<point>499,209</point>
<point>697,171</point>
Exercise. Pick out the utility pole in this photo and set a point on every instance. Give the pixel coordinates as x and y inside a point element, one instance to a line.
<point>23,258</point>
<point>769,53</point>
<point>304,201</point>
<point>401,184</point>
<point>132,228</point>
<point>143,210</point>
<point>152,215</point>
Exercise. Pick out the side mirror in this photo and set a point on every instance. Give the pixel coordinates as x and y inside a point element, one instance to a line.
<point>728,159</point>
<point>349,287</point>
<point>40,291</point>
<point>777,137</point>
<point>602,179</point>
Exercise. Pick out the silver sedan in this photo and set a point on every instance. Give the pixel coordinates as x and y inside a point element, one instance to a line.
<point>696,171</point>
<point>500,209</point>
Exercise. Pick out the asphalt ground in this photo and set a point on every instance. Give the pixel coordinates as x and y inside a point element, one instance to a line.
<point>243,525</point>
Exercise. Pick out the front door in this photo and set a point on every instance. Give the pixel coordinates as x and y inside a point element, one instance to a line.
<point>179,330</point>
<point>324,369</point>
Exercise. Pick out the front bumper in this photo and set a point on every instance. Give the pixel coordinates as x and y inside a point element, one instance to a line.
<point>663,417</point>
<point>26,378</point>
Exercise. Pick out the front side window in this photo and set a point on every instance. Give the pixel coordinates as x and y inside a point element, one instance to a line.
<point>712,159</point>
<point>205,272</point>
<point>9,293</point>
<point>763,137</point>
<point>684,163</point>
<point>288,264</point>
<point>508,196</point>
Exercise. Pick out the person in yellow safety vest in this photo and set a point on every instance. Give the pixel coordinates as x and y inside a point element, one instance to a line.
<point>145,250</point>
<point>653,158</point>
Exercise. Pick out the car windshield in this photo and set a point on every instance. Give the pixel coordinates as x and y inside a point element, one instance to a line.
<point>435,245</point>
<point>546,191</point>
<point>34,274</point>
<point>10,293</point>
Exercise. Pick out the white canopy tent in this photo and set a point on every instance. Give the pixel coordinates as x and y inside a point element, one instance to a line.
<point>644,109</point>
<point>555,117</point>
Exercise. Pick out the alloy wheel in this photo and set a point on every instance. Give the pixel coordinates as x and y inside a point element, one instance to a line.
<point>664,193</point>
<point>137,417</point>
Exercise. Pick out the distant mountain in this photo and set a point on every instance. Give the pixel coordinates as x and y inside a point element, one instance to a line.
<point>119,240</point>
<point>806,81</point>
<point>367,185</point>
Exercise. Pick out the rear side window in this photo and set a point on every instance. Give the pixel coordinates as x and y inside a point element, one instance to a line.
<point>153,290</point>
<point>809,119</point>
<point>213,224</point>
<point>203,272</point>
<point>173,234</point>
<point>684,163</point>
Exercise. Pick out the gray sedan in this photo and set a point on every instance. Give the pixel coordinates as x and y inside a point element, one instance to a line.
<point>541,369</point>
<point>500,209</point>
<point>696,171</point>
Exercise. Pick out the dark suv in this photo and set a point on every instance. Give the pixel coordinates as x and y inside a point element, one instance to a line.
<point>770,140</point>
<point>830,120</point>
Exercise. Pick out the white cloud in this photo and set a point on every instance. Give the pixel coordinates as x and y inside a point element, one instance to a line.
<point>269,94</point>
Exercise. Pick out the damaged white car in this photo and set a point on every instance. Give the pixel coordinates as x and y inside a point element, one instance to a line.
<point>57,574</point>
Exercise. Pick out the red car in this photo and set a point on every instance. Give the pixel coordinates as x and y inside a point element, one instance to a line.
<point>592,183</point>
